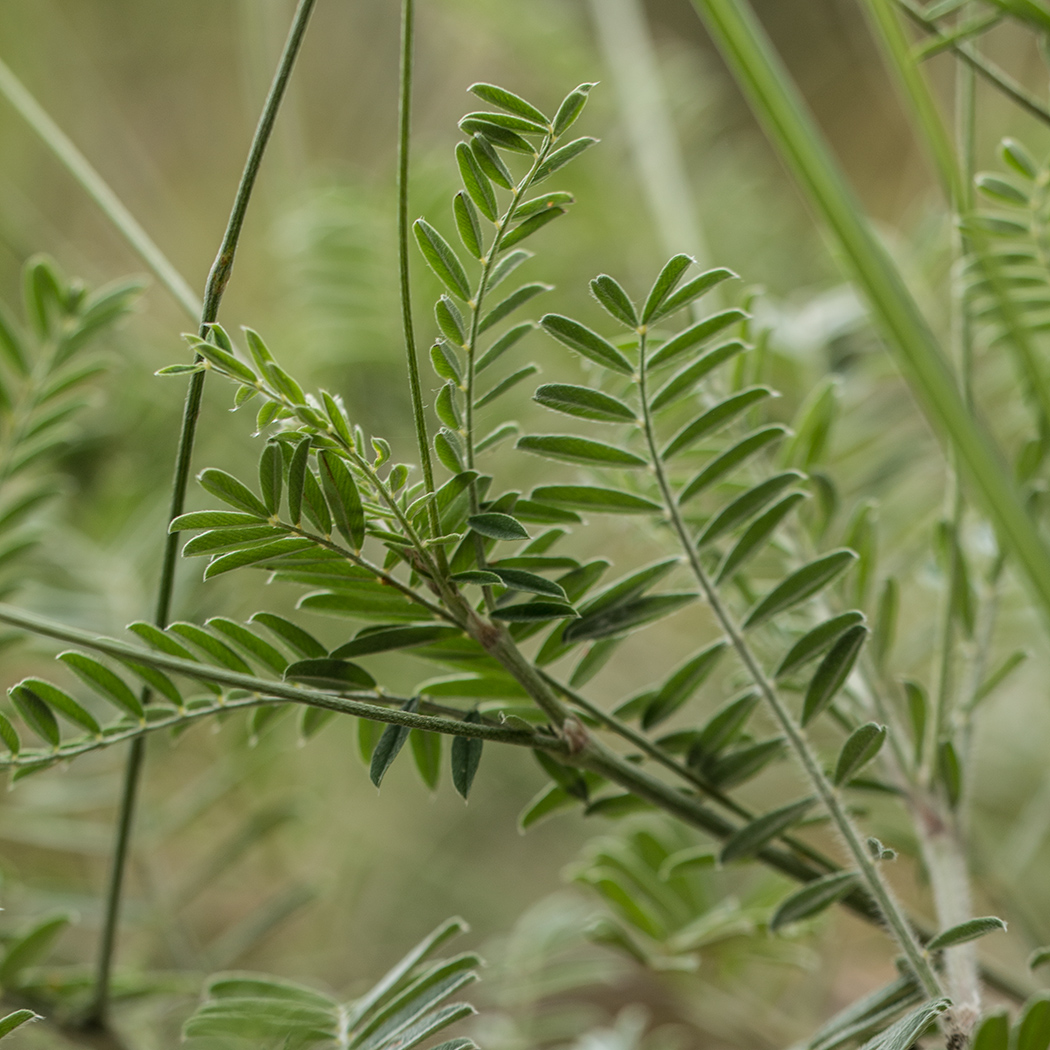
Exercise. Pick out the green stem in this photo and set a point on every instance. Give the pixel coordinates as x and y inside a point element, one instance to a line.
<point>218,278</point>
<point>98,190</point>
<point>892,913</point>
<point>404,127</point>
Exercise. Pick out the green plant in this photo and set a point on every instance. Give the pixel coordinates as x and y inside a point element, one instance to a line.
<point>671,415</point>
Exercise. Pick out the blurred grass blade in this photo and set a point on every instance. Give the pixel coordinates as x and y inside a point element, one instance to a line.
<point>778,106</point>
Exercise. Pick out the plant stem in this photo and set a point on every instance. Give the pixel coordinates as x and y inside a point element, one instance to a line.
<point>218,278</point>
<point>98,190</point>
<point>880,891</point>
<point>404,128</point>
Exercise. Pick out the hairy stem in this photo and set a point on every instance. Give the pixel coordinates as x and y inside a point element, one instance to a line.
<point>880,891</point>
<point>214,289</point>
<point>98,190</point>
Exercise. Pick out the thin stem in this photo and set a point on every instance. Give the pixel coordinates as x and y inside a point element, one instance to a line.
<point>979,64</point>
<point>891,911</point>
<point>668,761</point>
<point>98,190</point>
<point>404,127</point>
<point>218,278</point>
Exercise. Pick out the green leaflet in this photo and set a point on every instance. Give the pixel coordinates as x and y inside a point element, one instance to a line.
<point>863,744</point>
<point>250,642</point>
<point>521,580</point>
<point>752,837</point>
<point>36,714</point>
<point>509,338</point>
<point>626,616</point>
<point>497,526</point>
<point>494,134</point>
<point>726,723</point>
<point>298,468</point>
<point>442,259</point>
<point>681,685</point>
<point>595,499</point>
<point>343,498</point>
<point>616,301</point>
<point>666,282</point>
<point>451,323</point>
<point>964,932</point>
<point>813,898</point>
<point>756,535</point>
<point>426,753</point>
<point>683,381</point>
<point>1032,1028</point>
<point>490,162</point>
<point>271,476</point>
<point>207,643</point>
<point>1039,957</point>
<point>581,339</point>
<point>583,402</point>
<point>62,702</point>
<point>467,224</point>
<point>741,764</point>
<point>388,638</point>
<point>215,540</point>
<point>30,949</point>
<point>993,1033</point>
<point>714,419</point>
<point>290,633</point>
<point>497,96</point>
<point>745,507</point>
<point>476,182</point>
<point>690,292</point>
<point>832,673</point>
<point>574,449</point>
<point>816,641</point>
<point>252,555</point>
<point>465,757</point>
<point>8,736</point>
<point>231,491</point>
<point>800,585</point>
<point>729,460</point>
<point>390,744</point>
<point>103,681</point>
<point>561,156</point>
<point>507,306</point>
<point>695,334</point>
<point>571,107</point>
<point>16,1019</point>
<point>504,385</point>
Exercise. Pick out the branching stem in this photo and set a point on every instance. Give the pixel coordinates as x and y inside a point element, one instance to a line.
<point>891,911</point>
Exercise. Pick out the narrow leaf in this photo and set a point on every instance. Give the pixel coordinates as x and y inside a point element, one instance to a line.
<point>233,492</point>
<point>965,931</point>
<point>581,339</point>
<point>746,506</point>
<point>467,224</point>
<point>754,836</point>
<point>476,182</point>
<point>665,283</point>
<point>684,380</point>
<point>813,898</point>
<point>390,743</point>
<point>497,96</point>
<point>595,499</point>
<point>863,744</point>
<point>103,681</point>
<point>695,334</point>
<point>442,259</point>
<point>689,292</point>
<point>756,535</point>
<point>681,685</point>
<point>574,449</point>
<point>714,419</point>
<point>816,641</point>
<point>497,526</point>
<point>832,673</point>
<point>583,402</point>
<point>343,498</point>
<point>616,301</point>
<point>560,157</point>
<point>800,585</point>
<point>465,757</point>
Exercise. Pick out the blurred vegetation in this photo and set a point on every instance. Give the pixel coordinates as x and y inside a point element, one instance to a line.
<point>283,858</point>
